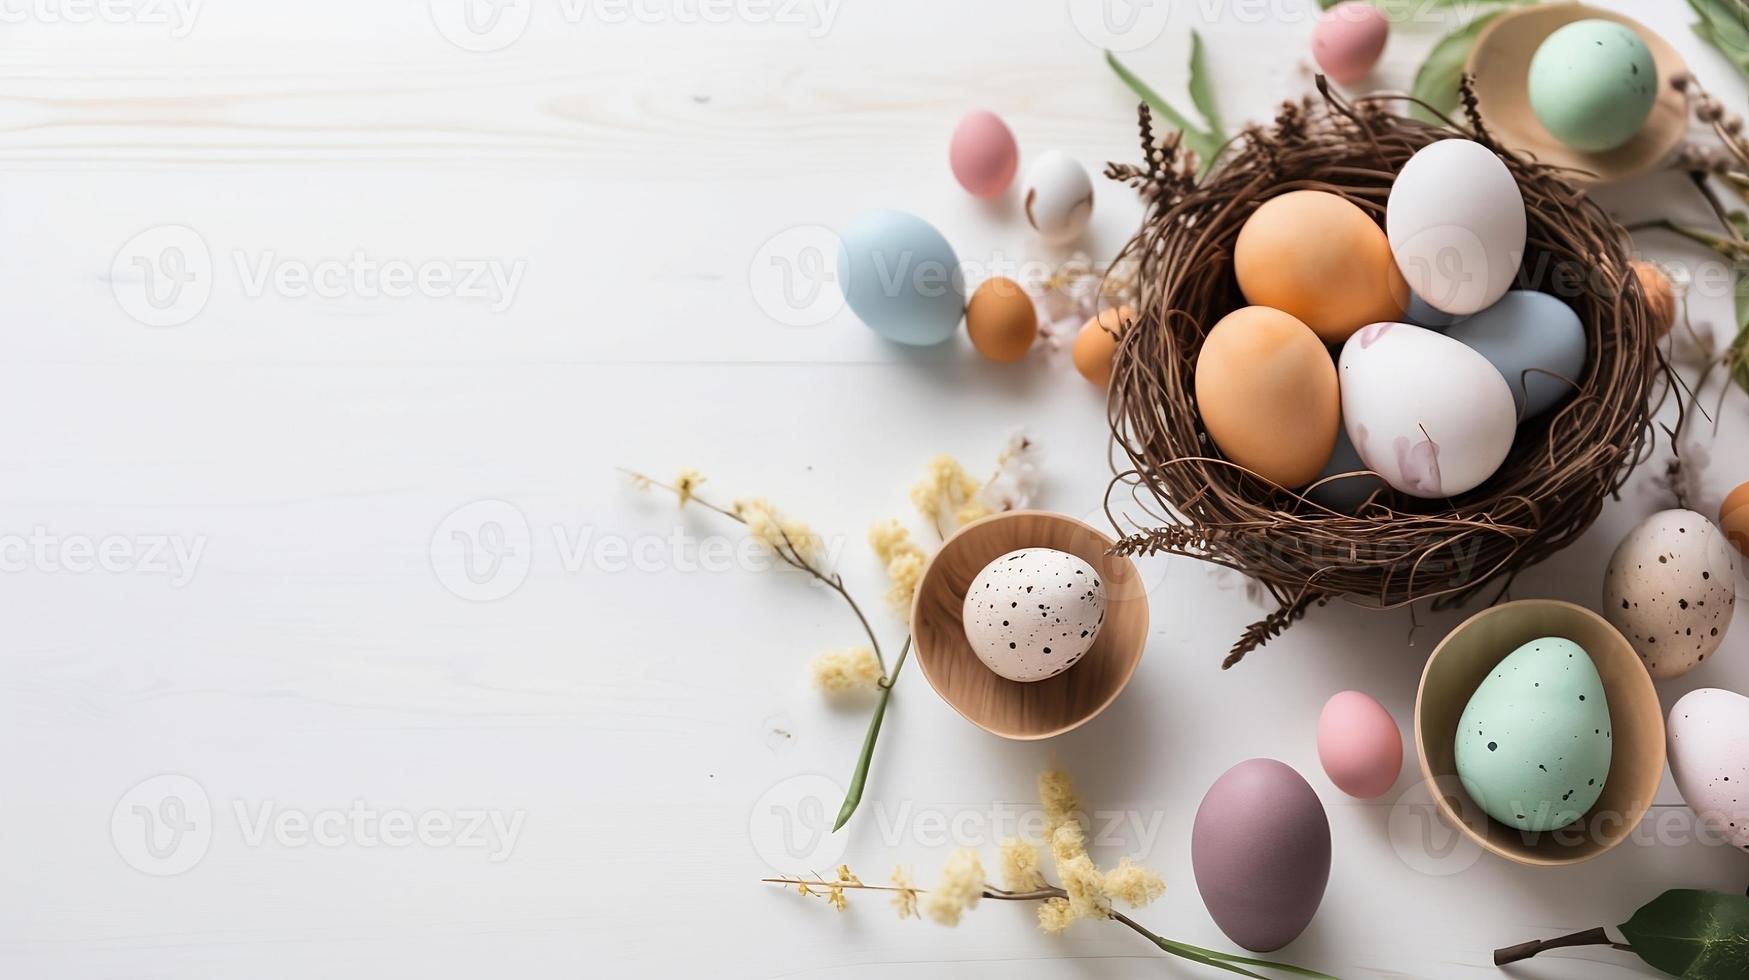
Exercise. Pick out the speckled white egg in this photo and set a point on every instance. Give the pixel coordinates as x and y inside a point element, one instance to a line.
<point>1059,197</point>
<point>1032,613</point>
<point>1671,590</point>
<point>1708,734</point>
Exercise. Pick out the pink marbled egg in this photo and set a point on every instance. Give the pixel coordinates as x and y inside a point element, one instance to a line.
<point>983,154</point>
<point>1348,40</point>
<point>1359,745</point>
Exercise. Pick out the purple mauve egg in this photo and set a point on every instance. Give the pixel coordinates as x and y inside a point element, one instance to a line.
<point>1261,852</point>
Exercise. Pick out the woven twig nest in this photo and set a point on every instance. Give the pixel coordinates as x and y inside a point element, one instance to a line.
<point>1395,549</point>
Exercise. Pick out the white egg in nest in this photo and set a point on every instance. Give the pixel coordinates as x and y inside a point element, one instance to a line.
<point>1032,614</point>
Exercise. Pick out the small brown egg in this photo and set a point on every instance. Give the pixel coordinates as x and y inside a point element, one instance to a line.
<point>1660,295</point>
<point>1320,259</point>
<point>1734,518</point>
<point>1096,344</point>
<point>1267,391</point>
<point>1001,320</point>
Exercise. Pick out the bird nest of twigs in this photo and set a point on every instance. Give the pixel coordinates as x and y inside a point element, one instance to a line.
<point>1395,549</point>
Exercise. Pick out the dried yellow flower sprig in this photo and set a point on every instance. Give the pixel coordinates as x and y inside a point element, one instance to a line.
<point>796,545</point>
<point>904,562</point>
<point>1086,892</point>
<point>843,671</point>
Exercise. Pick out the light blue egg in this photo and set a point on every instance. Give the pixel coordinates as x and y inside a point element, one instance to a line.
<point>1423,315</point>
<point>1534,744</point>
<point>1535,340</point>
<point>1347,494</point>
<point>901,277</point>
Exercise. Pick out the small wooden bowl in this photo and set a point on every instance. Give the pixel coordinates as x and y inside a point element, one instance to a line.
<point>994,703</point>
<point>1500,64</point>
<point>1458,666</point>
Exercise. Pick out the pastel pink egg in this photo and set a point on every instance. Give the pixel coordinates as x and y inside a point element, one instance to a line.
<point>983,154</point>
<point>1348,40</point>
<point>1359,745</point>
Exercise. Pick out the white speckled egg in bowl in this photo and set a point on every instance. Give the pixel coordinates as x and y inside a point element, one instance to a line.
<point>1027,709</point>
<point>1032,613</point>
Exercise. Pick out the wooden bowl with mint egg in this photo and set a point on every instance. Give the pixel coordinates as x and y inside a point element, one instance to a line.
<point>1507,90</point>
<point>1530,737</point>
<point>1052,705</point>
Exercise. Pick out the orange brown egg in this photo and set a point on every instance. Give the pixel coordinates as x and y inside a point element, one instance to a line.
<point>1660,295</point>
<point>1001,320</point>
<point>1096,344</point>
<point>1267,391</point>
<point>1319,258</point>
<point>1734,518</point>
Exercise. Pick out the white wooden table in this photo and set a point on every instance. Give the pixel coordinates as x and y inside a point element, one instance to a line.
<point>301,299</point>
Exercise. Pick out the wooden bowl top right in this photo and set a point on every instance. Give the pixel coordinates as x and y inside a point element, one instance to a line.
<point>1458,666</point>
<point>1500,65</point>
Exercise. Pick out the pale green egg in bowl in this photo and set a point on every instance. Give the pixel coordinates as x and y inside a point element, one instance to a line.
<point>1470,658</point>
<point>1501,64</point>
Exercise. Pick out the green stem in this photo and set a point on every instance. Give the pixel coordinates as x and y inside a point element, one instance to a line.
<point>853,796</point>
<point>1214,958</point>
<point>1727,247</point>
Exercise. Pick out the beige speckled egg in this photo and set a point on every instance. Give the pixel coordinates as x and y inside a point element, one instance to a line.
<point>1033,613</point>
<point>1671,590</point>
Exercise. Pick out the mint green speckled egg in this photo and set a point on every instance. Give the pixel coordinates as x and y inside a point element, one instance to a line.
<point>1533,745</point>
<point>1592,83</point>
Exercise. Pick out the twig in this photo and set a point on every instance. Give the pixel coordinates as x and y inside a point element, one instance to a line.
<point>1524,951</point>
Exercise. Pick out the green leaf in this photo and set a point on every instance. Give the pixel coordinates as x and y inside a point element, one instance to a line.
<point>1437,81</point>
<point>1190,953</point>
<point>1200,92</point>
<point>1183,948</point>
<point>1693,934</point>
<point>1725,25</point>
<point>853,795</point>
<point>1206,143</point>
<point>1739,353</point>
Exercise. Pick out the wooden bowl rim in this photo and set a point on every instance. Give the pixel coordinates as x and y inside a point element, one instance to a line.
<point>1581,167</point>
<point>1644,689</point>
<point>923,659</point>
